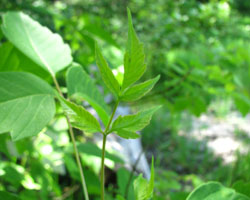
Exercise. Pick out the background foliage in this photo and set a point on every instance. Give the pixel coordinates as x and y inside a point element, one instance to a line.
<point>200,48</point>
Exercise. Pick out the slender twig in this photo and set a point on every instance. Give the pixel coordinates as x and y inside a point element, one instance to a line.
<point>132,173</point>
<point>67,193</point>
<point>102,167</point>
<point>105,134</point>
<point>84,186</point>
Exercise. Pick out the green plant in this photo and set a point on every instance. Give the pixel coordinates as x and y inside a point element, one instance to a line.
<point>27,101</point>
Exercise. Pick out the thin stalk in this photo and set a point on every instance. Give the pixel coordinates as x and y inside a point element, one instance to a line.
<point>84,186</point>
<point>132,173</point>
<point>105,134</point>
<point>102,167</point>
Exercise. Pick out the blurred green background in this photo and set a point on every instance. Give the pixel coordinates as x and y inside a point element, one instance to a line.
<point>201,48</point>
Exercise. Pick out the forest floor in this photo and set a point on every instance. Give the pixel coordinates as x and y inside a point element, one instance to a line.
<point>225,136</point>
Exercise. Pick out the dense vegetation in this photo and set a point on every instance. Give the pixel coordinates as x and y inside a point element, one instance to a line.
<point>200,48</point>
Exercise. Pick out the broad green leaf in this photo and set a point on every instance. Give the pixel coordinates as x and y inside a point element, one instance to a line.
<point>14,60</point>
<point>9,60</point>
<point>106,73</point>
<point>127,134</point>
<point>134,58</point>
<point>144,189</point>
<point>134,122</point>
<point>138,91</point>
<point>27,65</point>
<point>80,84</point>
<point>26,104</point>
<point>215,191</point>
<point>242,187</point>
<point>80,117</point>
<point>36,41</point>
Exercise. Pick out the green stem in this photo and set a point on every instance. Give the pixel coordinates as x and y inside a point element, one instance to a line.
<point>105,134</point>
<point>84,186</point>
<point>102,167</point>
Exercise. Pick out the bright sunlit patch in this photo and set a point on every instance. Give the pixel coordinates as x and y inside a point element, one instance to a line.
<point>2,172</point>
<point>118,72</point>
<point>224,9</point>
<point>46,149</point>
<point>29,183</point>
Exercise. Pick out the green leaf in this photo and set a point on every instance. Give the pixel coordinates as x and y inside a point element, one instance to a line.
<point>143,189</point>
<point>138,91</point>
<point>101,33</point>
<point>132,123</point>
<point>127,134</point>
<point>134,58</point>
<point>242,187</point>
<point>37,42</point>
<point>14,60</point>
<point>242,103</point>
<point>80,84</point>
<point>26,104</point>
<point>9,60</point>
<point>80,117</point>
<point>106,73</point>
<point>119,197</point>
<point>215,191</point>
<point>8,196</point>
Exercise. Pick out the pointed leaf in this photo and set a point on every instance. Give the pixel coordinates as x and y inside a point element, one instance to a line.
<point>36,41</point>
<point>134,122</point>
<point>215,191</point>
<point>26,104</point>
<point>106,73</point>
<point>80,84</point>
<point>140,187</point>
<point>143,189</point>
<point>134,58</point>
<point>80,117</point>
<point>127,134</point>
<point>138,91</point>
